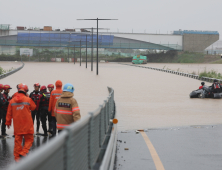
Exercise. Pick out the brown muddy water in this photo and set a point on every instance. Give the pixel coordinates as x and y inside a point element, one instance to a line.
<point>144,98</point>
<point>6,65</point>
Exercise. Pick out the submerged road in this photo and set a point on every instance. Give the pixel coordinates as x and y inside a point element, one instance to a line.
<point>145,99</point>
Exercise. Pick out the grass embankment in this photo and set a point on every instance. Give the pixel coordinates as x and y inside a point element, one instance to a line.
<point>205,73</point>
<point>188,57</point>
<point>3,71</point>
<point>182,57</point>
<point>211,74</point>
<point>217,62</point>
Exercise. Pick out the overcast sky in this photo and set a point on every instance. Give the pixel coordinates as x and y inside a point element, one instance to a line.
<point>148,16</point>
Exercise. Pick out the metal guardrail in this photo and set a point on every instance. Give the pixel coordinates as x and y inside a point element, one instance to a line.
<point>207,79</point>
<point>89,143</point>
<point>11,72</point>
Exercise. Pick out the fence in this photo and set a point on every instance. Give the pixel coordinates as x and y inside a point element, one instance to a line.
<point>11,72</point>
<point>89,143</point>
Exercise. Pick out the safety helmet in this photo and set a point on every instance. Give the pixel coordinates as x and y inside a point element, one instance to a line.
<point>18,85</point>
<point>50,86</point>
<point>202,83</point>
<point>23,88</point>
<point>1,86</point>
<point>68,87</point>
<point>37,85</point>
<point>43,88</point>
<point>7,87</point>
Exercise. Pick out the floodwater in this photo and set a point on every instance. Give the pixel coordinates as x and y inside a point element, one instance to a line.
<point>144,98</point>
<point>6,65</point>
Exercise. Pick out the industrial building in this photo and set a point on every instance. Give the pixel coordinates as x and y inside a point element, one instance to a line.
<point>187,40</point>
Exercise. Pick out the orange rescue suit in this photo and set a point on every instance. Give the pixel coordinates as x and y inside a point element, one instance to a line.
<point>19,110</point>
<point>55,95</point>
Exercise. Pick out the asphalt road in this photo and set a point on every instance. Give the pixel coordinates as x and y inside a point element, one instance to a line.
<point>179,148</point>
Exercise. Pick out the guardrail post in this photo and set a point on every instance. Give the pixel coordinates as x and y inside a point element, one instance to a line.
<point>108,112</point>
<point>105,115</point>
<point>102,127</point>
<point>90,131</point>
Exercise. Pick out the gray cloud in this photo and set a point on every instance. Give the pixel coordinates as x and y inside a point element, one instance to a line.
<point>140,15</point>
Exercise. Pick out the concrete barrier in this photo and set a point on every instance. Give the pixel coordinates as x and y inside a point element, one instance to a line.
<point>11,72</point>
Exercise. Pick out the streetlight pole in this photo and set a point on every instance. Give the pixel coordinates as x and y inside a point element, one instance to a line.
<point>86,51</point>
<point>80,53</point>
<point>68,54</point>
<point>92,52</point>
<point>97,19</point>
<point>97,56</point>
<point>74,55</point>
<point>92,43</point>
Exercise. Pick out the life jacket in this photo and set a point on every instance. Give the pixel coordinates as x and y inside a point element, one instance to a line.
<point>5,100</point>
<point>35,96</point>
<point>44,101</point>
<point>216,85</point>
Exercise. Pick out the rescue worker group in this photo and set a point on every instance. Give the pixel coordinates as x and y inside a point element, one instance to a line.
<point>57,105</point>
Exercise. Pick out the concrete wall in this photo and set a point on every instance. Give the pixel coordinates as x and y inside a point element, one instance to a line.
<point>198,42</point>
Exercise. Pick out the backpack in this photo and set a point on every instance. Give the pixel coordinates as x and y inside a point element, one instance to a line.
<point>216,85</point>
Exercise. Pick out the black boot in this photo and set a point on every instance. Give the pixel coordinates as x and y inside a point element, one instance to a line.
<point>4,134</point>
<point>45,134</point>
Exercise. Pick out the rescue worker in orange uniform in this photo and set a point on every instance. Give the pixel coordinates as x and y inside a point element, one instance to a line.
<point>66,110</point>
<point>50,87</point>
<point>43,107</point>
<point>35,96</point>
<point>1,101</point>
<point>19,110</point>
<point>55,95</point>
<point>17,92</point>
<point>6,99</point>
